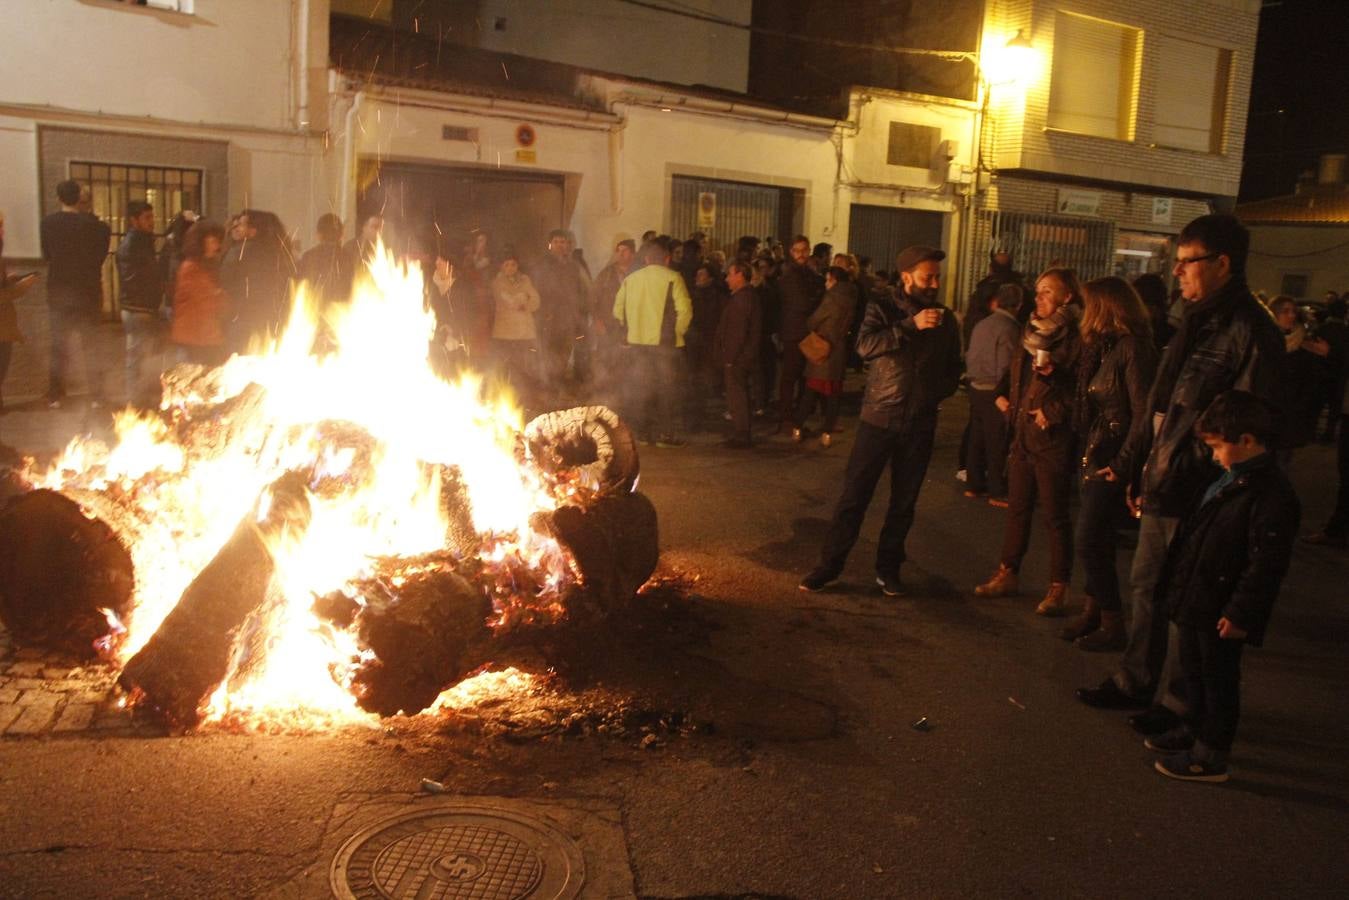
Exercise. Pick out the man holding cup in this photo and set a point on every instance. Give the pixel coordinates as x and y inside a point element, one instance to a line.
<point>912,350</point>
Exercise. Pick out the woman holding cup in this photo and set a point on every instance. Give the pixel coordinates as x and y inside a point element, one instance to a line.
<point>1038,396</point>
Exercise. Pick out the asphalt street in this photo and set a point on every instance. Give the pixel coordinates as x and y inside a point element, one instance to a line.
<point>792,769</point>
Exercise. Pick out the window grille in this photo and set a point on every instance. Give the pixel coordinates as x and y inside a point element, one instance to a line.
<point>169,190</point>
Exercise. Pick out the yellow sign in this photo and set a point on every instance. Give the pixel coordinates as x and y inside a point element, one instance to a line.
<point>526,156</point>
<point>707,211</point>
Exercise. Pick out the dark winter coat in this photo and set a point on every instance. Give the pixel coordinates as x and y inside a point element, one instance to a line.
<point>738,337</point>
<point>74,245</point>
<point>139,277</point>
<point>1227,341</point>
<point>1229,555</point>
<point>831,321</point>
<point>564,298</point>
<point>1027,391</point>
<point>910,371</point>
<point>799,292</point>
<point>1116,419</point>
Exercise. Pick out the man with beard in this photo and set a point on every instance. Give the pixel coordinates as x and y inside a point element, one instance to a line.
<point>799,291</point>
<point>913,347</point>
<point>1227,341</point>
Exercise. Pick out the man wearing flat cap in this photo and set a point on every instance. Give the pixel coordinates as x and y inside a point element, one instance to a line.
<point>912,348</point>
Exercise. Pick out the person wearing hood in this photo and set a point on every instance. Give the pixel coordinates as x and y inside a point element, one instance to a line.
<point>1037,395</point>
<point>913,347</point>
<point>1226,341</point>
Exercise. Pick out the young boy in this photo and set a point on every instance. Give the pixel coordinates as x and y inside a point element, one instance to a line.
<point>1220,579</point>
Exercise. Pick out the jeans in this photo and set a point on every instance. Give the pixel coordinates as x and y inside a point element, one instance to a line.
<point>1096,539</point>
<point>65,324</point>
<point>1211,667</point>
<point>1028,479</point>
<point>6,351</point>
<point>986,457</point>
<point>1149,661</point>
<point>789,380</point>
<point>907,451</point>
<point>737,380</point>
<point>142,340</point>
<point>655,389</point>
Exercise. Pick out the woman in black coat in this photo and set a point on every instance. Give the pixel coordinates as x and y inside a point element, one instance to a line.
<point>1119,360</point>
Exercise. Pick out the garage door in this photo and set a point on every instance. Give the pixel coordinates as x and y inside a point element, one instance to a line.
<point>727,210</point>
<point>880,232</point>
<point>438,206</point>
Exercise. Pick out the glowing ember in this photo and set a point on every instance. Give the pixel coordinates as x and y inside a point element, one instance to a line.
<point>379,440</point>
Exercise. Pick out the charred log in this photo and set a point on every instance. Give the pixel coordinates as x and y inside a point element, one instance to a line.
<point>189,655</point>
<point>425,636</point>
<point>59,569</point>
<point>615,544</point>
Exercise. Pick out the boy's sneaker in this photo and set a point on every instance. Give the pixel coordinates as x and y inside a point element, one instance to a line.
<point>890,585</point>
<point>818,580</point>
<point>1177,740</point>
<point>1187,767</point>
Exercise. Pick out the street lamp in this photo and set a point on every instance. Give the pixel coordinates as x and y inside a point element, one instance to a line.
<point>1011,62</point>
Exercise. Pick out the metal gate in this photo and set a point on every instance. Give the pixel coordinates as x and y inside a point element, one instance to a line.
<point>736,209</point>
<point>1038,241</point>
<point>880,232</point>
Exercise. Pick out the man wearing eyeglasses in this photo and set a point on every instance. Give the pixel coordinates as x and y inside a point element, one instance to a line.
<point>1227,340</point>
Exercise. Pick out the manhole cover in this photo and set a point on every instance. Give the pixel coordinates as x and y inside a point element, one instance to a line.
<point>458,853</point>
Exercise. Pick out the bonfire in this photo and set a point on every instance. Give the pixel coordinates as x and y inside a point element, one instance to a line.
<point>323,537</point>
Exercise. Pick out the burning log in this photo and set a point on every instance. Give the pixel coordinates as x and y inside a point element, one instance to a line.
<point>59,569</point>
<point>189,655</point>
<point>615,544</point>
<point>425,637</point>
<point>588,445</point>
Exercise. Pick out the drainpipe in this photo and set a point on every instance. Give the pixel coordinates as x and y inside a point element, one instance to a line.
<point>302,54</point>
<point>616,169</point>
<point>348,186</point>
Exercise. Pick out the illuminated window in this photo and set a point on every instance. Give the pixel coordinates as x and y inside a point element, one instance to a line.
<point>1191,108</point>
<point>1093,86</point>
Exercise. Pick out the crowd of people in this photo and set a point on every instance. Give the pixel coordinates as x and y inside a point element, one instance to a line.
<point>1189,428</point>
<point>1182,411</point>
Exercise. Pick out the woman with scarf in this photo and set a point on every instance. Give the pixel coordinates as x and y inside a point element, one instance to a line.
<point>1118,362</point>
<point>1038,395</point>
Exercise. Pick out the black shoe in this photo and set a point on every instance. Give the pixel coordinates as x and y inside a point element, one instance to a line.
<point>1109,696</point>
<point>1177,740</point>
<point>1155,720</point>
<point>1188,767</point>
<point>890,585</point>
<point>818,580</point>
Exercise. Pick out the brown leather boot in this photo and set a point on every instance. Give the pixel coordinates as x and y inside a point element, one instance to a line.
<point>1110,636</point>
<point>1084,624</point>
<point>1055,602</point>
<point>1002,584</point>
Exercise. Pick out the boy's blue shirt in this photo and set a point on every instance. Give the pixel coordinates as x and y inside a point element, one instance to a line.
<point>1230,475</point>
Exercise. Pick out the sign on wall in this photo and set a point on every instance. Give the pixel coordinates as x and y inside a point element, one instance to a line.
<point>707,211</point>
<point>1161,210</point>
<point>1074,202</point>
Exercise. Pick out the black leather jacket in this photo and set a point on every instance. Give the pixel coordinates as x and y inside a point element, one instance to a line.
<point>1116,418</point>
<point>909,372</point>
<point>1230,555</point>
<point>1227,341</point>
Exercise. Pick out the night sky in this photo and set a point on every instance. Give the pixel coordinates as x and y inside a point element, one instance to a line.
<point>1300,95</point>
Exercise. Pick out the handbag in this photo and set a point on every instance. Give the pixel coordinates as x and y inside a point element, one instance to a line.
<point>814,348</point>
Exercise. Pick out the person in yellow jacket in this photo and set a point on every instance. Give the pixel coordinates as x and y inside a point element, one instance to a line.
<point>654,308</point>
